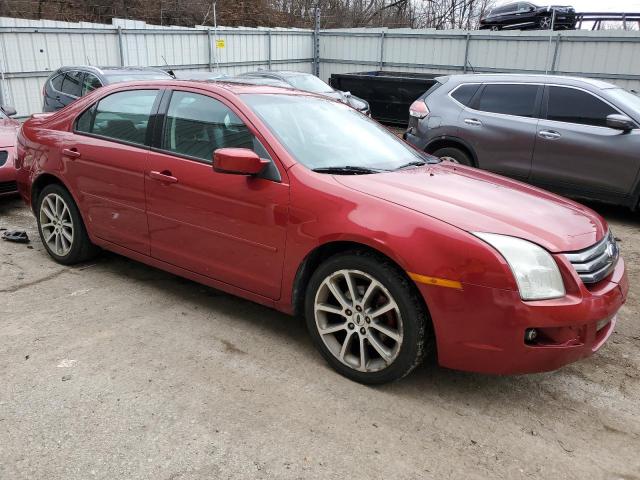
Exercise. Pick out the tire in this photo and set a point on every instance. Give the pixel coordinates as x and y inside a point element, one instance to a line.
<point>495,28</point>
<point>61,228</point>
<point>407,323</point>
<point>454,154</point>
<point>544,23</point>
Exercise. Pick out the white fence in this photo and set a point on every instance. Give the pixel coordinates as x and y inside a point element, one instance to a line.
<point>31,50</point>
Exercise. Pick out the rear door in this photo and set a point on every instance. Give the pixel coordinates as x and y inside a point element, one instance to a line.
<point>575,150</point>
<point>500,125</point>
<point>106,158</point>
<point>227,227</point>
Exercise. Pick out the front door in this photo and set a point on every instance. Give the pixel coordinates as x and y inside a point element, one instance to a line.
<point>227,227</point>
<point>500,125</point>
<point>106,158</point>
<point>575,150</point>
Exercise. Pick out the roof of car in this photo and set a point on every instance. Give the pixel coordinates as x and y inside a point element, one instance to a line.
<point>109,69</point>
<point>528,78</point>
<point>233,85</point>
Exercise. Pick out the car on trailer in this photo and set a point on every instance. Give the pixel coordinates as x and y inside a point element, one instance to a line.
<point>528,16</point>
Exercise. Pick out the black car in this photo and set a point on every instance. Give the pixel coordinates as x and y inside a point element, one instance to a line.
<point>70,83</point>
<point>525,15</point>
<point>310,83</point>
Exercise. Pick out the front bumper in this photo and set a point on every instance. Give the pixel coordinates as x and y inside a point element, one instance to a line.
<point>481,329</point>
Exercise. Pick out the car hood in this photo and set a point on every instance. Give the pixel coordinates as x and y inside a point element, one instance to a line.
<point>478,201</point>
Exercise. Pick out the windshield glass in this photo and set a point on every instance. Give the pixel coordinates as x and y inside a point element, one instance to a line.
<point>625,98</point>
<point>321,134</point>
<point>309,83</point>
<point>130,77</point>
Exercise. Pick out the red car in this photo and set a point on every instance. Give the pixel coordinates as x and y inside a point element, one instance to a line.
<point>8,128</point>
<point>302,204</point>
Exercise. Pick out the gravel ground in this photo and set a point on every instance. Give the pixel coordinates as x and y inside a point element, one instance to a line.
<point>116,370</point>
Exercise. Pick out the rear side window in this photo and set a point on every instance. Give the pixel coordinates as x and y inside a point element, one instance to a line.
<point>121,116</point>
<point>519,100</point>
<point>575,106</point>
<point>72,83</point>
<point>197,125</point>
<point>90,83</point>
<point>56,82</point>
<point>464,93</point>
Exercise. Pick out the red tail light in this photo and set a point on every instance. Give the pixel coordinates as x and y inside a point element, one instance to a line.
<point>418,109</point>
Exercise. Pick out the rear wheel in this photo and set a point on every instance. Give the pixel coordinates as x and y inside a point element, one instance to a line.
<point>365,318</point>
<point>454,155</point>
<point>61,228</point>
<point>495,28</point>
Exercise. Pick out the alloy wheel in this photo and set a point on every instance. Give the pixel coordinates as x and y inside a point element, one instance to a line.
<point>358,320</point>
<point>449,159</point>
<point>56,224</point>
<point>545,23</point>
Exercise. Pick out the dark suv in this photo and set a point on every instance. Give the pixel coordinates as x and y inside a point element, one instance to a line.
<point>525,15</point>
<point>70,83</point>
<point>576,136</point>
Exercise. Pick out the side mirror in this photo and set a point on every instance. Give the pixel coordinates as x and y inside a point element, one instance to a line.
<point>620,122</point>
<point>532,9</point>
<point>8,110</point>
<point>238,161</point>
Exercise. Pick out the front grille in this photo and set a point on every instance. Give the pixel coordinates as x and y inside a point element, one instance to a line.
<point>595,263</point>
<point>8,187</point>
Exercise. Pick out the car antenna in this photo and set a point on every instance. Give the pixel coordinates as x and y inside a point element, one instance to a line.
<point>472,69</point>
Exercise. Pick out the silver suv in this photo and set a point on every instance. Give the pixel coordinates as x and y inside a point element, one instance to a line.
<point>575,136</point>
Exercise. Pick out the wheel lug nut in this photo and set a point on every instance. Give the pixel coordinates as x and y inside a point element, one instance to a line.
<point>358,308</point>
<point>348,312</point>
<point>363,331</point>
<point>367,319</point>
<point>351,326</point>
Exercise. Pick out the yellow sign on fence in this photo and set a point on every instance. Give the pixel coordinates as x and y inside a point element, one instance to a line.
<point>219,43</point>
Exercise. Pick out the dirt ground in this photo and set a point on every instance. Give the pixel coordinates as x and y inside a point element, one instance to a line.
<point>115,370</point>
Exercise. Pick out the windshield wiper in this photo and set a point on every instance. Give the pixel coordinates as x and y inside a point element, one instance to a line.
<point>413,163</point>
<point>348,169</point>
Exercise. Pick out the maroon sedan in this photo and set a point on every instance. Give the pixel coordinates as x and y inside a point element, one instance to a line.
<point>302,204</point>
<point>8,127</point>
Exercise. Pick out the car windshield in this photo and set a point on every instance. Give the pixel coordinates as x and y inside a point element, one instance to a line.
<point>326,135</point>
<point>309,83</point>
<point>129,77</point>
<point>625,98</point>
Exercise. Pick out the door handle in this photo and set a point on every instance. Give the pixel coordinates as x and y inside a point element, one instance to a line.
<point>164,176</point>
<point>549,134</point>
<point>70,152</point>
<point>473,122</point>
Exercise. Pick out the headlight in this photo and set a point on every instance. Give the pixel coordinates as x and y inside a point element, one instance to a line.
<point>534,269</point>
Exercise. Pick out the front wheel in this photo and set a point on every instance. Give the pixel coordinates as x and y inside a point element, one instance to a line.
<point>61,228</point>
<point>366,319</point>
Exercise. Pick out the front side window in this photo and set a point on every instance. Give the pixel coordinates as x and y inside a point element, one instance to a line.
<point>197,125</point>
<point>576,106</point>
<point>72,83</point>
<point>519,100</point>
<point>90,83</point>
<point>121,116</point>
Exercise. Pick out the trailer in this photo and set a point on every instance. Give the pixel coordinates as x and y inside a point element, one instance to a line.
<point>389,93</point>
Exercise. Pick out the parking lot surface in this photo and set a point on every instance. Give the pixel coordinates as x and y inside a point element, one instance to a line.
<point>112,370</point>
